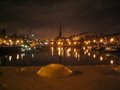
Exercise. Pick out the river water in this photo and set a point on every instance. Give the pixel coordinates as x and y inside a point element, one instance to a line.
<point>64,55</point>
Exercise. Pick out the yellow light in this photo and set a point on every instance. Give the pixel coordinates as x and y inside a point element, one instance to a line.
<point>101,58</point>
<point>59,51</point>
<point>67,39</point>
<point>101,40</point>
<point>68,52</point>
<point>111,62</point>
<point>10,40</point>
<point>75,43</point>
<point>85,52</point>
<point>4,41</point>
<point>52,43</point>
<point>59,43</point>
<point>69,49</point>
<point>112,40</point>
<point>18,57</point>
<point>52,49</point>
<point>76,38</point>
<point>21,41</point>
<point>94,41</point>
<point>17,41</point>
<point>69,43</point>
<point>89,41</point>
<point>76,55</point>
<point>75,50</point>
<point>52,40</point>
<point>83,48</point>
<point>10,58</point>
<point>94,56</point>
<point>88,54</point>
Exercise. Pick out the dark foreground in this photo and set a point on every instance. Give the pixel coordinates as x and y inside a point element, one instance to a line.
<point>84,78</point>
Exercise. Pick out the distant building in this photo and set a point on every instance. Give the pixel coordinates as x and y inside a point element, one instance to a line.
<point>60,36</point>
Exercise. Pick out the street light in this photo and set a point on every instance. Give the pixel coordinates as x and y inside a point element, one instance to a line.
<point>111,40</point>
<point>101,40</point>
<point>94,41</point>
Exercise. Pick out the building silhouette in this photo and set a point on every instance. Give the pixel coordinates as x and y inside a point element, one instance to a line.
<point>60,33</point>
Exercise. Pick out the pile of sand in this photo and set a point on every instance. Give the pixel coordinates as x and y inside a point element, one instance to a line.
<point>54,71</point>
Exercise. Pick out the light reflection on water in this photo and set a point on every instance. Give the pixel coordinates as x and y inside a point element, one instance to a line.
<point>86,54</point>
<point>64,55</point>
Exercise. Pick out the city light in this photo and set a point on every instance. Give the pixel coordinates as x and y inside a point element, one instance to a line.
<point>101,40</point>
<point>111,40</point>
<point>52,43</point>
<point>10,58</point>
<point>52,51</point>
<point>68,52</point>
<point>89,54</point>
<point>4,41</point>
<point>94,56</point>
<point>84,48</point>
<point>18,56</point>
<point>94,41</point>
<point>75,43</point>
<point>111,62</point>
<point>69,43</point>
<point>59,43</point>
<point>46,43</point>
<point>22,41</point>
<point>101,58</point>
<point>17,41</point>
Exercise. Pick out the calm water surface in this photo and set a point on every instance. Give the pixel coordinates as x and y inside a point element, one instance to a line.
<point>64,55</point>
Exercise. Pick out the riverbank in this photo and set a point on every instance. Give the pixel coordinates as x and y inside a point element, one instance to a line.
<point>100,77</point>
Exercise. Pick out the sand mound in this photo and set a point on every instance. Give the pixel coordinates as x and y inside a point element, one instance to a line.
<point>54,71</point>
<point>117,68</point>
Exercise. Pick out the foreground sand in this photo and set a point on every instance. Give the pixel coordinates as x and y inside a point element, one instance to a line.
<point>84,78</point>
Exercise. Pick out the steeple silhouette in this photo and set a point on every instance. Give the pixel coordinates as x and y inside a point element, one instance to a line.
<point>60,32</point>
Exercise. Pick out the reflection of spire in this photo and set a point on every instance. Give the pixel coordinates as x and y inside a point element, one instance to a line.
<point>60,32</point>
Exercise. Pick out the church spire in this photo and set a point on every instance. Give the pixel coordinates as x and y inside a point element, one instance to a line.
<point>60,32</point>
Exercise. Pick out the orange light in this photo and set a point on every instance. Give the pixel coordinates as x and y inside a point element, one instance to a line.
<point>4,41</point>
<point>112,40</point>
<point>101,40</point>
<point>111,62</point>
<point>101,58</point>
<point>75,43</point>
<point>69,43</point>
<point>17,41</point>
<point>94,56</point>
<point>59,43</point>
<point>52,43</point>
<point>94,41</point>
<point>21,41</point>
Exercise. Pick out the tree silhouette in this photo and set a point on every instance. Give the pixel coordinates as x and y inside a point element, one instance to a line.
<point>3,33</point>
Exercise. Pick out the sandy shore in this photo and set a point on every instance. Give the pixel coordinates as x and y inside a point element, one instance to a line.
<point>84,78</point>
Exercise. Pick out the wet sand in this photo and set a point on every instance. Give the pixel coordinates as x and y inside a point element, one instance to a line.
<point>100,77</point>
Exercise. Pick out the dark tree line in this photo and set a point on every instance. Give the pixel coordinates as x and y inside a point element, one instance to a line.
<point>3,33</point>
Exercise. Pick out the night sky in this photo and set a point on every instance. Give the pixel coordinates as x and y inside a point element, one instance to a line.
<point>42,17</point>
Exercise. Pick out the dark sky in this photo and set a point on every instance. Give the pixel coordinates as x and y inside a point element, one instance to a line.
<point>43,17</point>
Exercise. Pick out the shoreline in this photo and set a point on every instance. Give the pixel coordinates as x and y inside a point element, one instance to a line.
<point>98,77</point>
